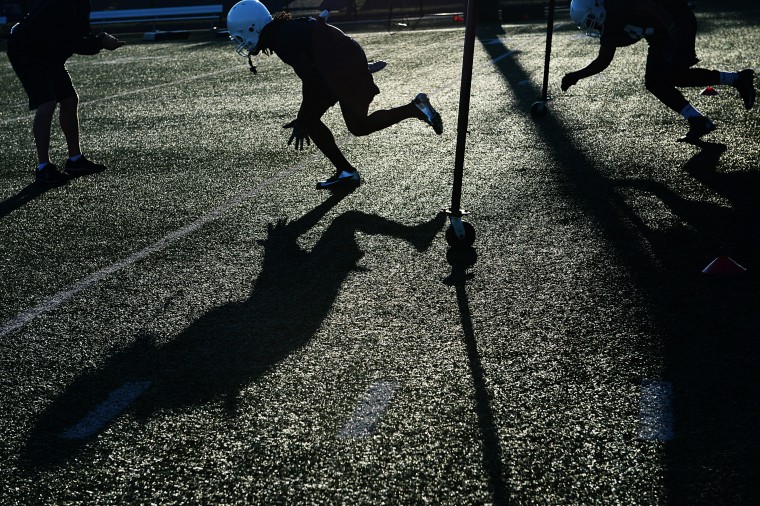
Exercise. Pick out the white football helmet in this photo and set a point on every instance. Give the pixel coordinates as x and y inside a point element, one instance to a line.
<point>245,21</point>
<point>589,15</point>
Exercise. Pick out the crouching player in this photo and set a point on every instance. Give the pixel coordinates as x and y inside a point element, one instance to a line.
<point>333,69</point>
<point>670,28</point>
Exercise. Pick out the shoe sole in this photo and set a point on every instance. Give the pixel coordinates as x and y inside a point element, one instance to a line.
<point>435,121</point>
<point>53,182</point>
<point>749,101</point>
<point>324,185</point>
<point>60,179</point>
<point>691,139</point>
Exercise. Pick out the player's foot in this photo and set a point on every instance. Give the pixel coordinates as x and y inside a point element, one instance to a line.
<point>431,115</point>
<point>698,126</point>
<point>82,167</point>
<point>49,174</point>
<point>376,66</point>
<point>746,86</point>
<point>340,178</point>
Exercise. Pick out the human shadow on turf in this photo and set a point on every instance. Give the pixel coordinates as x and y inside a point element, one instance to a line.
<point>23,197</point>
<point>712,325</point>
<point>700,324</point>
<point>740,189</point>
<point>709,228</point>
<point>230,346</point>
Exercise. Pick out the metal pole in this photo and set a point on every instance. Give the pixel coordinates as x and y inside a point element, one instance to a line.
<point>547,57</point>
<point>464,107</point>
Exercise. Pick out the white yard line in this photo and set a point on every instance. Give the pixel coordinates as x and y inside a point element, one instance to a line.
<point>370,410</point>
<point>108,410</point>
<point>83,103</point>
<point>59,298</point>
<point>656,411</point>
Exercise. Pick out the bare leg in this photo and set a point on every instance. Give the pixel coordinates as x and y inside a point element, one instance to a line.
<point>359,123</point>
<point>325,141</point>
<point>69,118</point>
<point>43,119</point>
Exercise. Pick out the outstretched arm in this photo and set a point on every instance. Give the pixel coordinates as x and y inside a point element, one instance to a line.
<point>601,62</point>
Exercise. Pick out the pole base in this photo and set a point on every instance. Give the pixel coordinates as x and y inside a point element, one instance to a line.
<point>460,234</point>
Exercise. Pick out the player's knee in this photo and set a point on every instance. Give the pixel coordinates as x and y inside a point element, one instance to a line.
<point>47,107</point>
<point>71,101</point>
<point>358,127</point>
<point>45,110</point>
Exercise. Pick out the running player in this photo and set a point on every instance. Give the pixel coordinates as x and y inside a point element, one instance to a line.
<point>670,28</point>
<point>333,69</point>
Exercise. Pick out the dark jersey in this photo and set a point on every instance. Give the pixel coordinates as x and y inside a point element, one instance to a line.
<point>629,21</point>
<point>331,65</point>
<point>57,29</point>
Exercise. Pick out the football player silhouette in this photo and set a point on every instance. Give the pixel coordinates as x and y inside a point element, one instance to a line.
<point>670,28</point>
<point>38,48</point>
<point>333,69</point>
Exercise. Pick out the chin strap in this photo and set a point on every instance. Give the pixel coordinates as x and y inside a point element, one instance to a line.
<point>251,65</point>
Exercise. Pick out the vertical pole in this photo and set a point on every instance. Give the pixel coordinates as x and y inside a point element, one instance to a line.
<point>547,57</point>
<point>464,107</point>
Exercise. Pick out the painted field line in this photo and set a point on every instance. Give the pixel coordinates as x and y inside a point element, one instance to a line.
<point>115,404</point>
<point>56,300</point>
<point>84,103</point>
<point>370,410</point>
<point>59,298</point>
<point>656,411</point>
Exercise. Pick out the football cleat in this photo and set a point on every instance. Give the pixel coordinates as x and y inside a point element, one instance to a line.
<point>340,178</point>
<point>698,126</point>
<point>376,66</point>
<point>49,174</point>
<point>82,167</point>
<point>746,86</point>
<point>431,115</point>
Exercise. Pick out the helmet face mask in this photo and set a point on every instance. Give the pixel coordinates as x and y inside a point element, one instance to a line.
<point>245,47</point>
<point>589,15</point>
<point>245,21</point>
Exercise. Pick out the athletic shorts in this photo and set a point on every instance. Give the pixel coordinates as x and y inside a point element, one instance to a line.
<point>43,80</point>
<point>678,53</point>
<point>342,65</point>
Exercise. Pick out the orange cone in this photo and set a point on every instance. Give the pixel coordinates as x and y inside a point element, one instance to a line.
<point>723,266</point>
<point>709,91</point>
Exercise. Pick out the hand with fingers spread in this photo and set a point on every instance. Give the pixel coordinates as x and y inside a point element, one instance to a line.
<point>299,135</point>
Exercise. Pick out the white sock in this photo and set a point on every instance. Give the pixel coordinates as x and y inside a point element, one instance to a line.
<point>690,112</point>
<point>729,77</point>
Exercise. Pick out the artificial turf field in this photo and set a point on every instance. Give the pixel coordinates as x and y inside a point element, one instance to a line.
<point>198,324</point>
